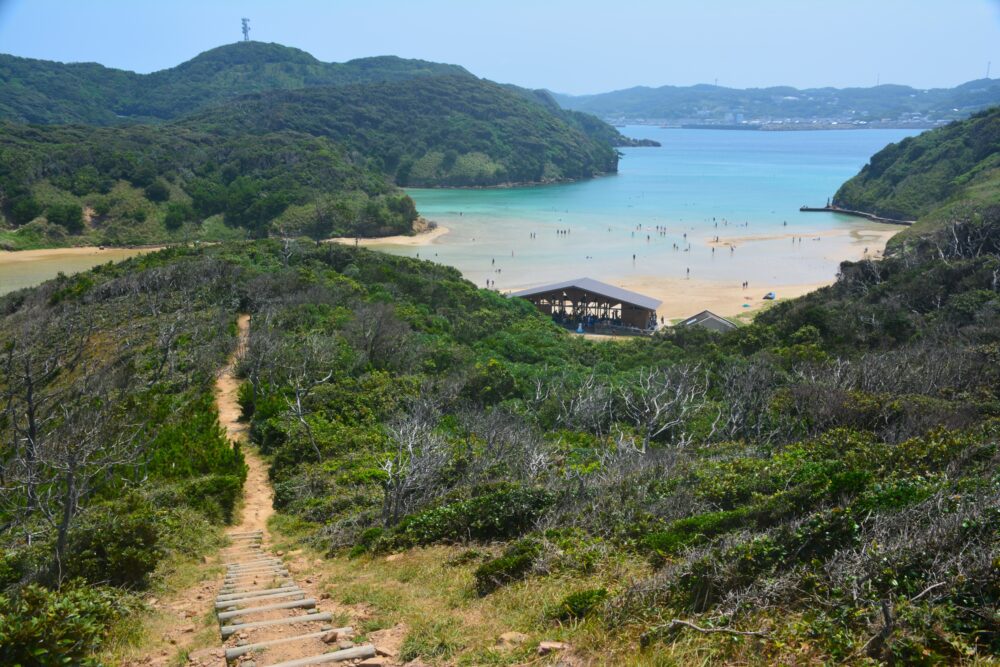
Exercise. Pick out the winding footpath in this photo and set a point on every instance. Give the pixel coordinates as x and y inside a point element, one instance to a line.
<point>264,617</point>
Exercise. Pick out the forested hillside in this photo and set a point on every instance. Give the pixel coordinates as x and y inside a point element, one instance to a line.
<point>193,152</point>
<point>113,469</point>
<point>933,174</point>
<point>64,185</point>
<point>823,480</point>
<point>443,130</point>
<point>41,91</point>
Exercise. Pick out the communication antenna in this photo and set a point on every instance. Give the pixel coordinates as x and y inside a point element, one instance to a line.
<point>988,63</point>
<point>246,29</point>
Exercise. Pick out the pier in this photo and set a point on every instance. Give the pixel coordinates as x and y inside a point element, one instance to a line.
<point>858,214</point>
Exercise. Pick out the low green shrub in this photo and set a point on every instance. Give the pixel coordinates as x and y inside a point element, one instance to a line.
<point>514,564</point>
<point>245,396</point>
<point>59,627</point>
<point>115,543</point>
<point>505,512</point>
<point>365,540</point>
<point>215,496</point>
<point>688,531</point>
<point>578,605</point>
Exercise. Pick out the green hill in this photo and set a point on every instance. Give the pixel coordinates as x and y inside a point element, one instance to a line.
<point>440,130</point>
<point>40,91</point>
<point>67,185</point>
<point>932,176</point>
<point>341,134</point>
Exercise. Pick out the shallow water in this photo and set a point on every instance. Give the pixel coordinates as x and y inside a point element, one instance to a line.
<point>31,267</point>
<point>700,184</point>
<point>745,187</point>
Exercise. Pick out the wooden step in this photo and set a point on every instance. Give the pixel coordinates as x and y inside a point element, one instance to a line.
<point>253,599</point>
<point>358,652</point>
<point>229,630</point>
<point>308,603</point>
<point>256,573</point>
<point>241,564</point>
<point>233,653</point>
<point>262,586</point>
<point>255,568</point>
<point>256,576</point>
<point>235,596</point>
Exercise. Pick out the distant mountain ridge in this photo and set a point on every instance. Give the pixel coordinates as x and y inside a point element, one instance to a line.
<point>709,104</point>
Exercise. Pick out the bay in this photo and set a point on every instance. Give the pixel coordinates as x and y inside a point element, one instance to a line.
<point>666,206</point>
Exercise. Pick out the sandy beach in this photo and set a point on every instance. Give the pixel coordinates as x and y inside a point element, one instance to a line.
<point>684,297</point>
<point>26,268</point>
<point>421,238</point>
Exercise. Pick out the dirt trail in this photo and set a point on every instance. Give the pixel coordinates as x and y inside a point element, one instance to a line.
<point>259,576</point>
<point>257,505</point>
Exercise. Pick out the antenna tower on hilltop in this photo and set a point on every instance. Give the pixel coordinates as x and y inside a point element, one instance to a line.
<point>246,29</point>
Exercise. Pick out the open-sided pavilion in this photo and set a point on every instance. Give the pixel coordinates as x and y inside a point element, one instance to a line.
<point>594,304</point>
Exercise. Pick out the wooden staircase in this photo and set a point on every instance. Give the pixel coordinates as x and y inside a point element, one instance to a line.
<point>265,619</point>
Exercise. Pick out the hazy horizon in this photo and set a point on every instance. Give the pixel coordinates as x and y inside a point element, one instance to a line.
<point>563,46</point>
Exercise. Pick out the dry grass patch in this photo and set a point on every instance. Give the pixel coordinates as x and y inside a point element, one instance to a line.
<point>430,591</point>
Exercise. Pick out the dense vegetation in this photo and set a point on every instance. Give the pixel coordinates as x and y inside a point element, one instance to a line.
<point>61,185</point>
<point>825,477</point>
<point>443,130</point>
<point>40,91</point>
<point>933,175</point>
<point>254,139</point>
<point>712,103</point>
<point>113,468</point>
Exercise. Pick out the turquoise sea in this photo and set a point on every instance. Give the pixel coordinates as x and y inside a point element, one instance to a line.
<point>743,186</point>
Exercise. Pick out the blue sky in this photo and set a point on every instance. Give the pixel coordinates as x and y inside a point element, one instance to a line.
<point>575,46</point>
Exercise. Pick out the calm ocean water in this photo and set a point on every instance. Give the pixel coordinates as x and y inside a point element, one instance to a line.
<point>702,183</point>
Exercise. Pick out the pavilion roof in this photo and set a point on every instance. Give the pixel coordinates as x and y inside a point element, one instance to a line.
<point>597,288</point>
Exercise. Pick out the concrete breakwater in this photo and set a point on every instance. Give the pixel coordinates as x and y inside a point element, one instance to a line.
<point>859,214</point>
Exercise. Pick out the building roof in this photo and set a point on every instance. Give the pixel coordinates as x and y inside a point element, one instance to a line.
<point>596,287</point>
<point>705,315</point>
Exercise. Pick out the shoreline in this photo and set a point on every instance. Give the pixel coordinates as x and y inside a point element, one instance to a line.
<point>682,297</point>
<point>422,238</point>
<point>16,256</point>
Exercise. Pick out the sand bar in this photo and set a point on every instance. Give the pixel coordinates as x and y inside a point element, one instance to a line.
<point>419,239</point>
<point>26,268</point>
